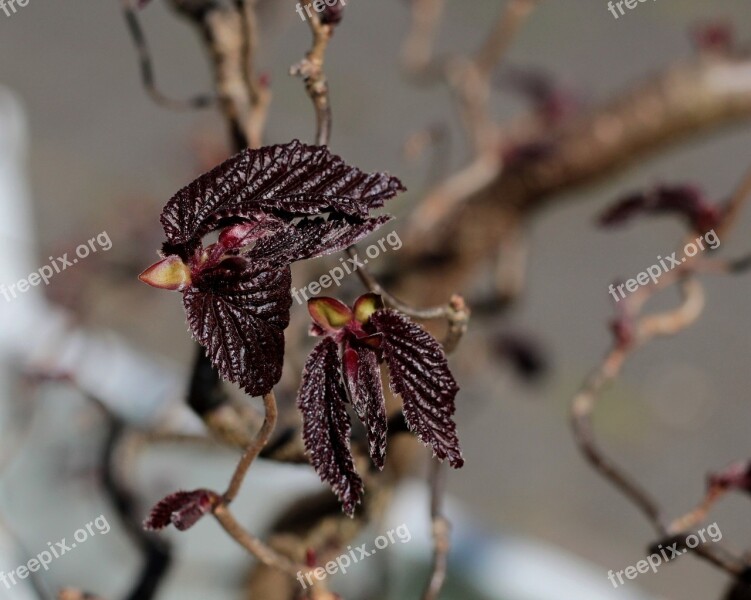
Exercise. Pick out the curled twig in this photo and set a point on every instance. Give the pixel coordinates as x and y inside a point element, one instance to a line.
<point>146,65</point>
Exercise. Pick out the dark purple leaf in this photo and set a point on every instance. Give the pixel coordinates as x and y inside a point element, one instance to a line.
<point>420,375</point>
<point>332,15</point>
<point>310,238</point>
<point>326,425</point>
<point>714,36</point>
<point>523,352</point>
<point>552,101</point>
<point>363,378</point>
<point>181,509</point>
<point>293,179</point>
<point>684,200</point>
<point>735,476</point>
<point>238,311</point>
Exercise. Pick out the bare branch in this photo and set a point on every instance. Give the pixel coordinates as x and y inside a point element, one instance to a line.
<point>147,69</point>
<point>311,69</point>
<point>441,532</point>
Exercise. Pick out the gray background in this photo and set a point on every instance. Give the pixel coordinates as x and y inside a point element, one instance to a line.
<point>101,149</point>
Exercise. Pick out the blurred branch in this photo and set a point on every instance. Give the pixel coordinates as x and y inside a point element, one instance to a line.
<point>441,532</point>
<point>632,332</point>
<point>156,552</point>
<point>146,65</point>
<point>418,48</point>
<point>650,116</point>
<point>229,34</point>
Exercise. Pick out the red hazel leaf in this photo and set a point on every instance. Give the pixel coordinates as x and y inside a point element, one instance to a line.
<point>326,425</point>
<point>363,378</point>
<point>239,316</point>
<point>419,373</point>
<point>311,238</point>
<point>274,206</point>
<point>181,509</point>
<point>291,179</point>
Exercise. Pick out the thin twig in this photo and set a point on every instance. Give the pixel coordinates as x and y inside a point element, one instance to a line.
<point>441,527</point>
<point>254,449</point>
<point>147,67</point>
<point>585,402</point>
<point>505,30</point>
<point>470,80</point>
<point>222,512</point>
<point>266,554</point>
<point>740,197</point>
<point>418,48</point>
<point>311,69</point>
<point>371,283</point>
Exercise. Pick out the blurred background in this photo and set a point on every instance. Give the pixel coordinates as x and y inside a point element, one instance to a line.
<point>528,510</point>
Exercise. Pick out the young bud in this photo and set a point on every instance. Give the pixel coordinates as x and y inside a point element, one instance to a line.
<point>366,305</point>
<point>330,314</point>
<point>170,273</point>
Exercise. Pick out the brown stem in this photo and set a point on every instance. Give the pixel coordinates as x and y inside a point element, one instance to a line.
<point>417,52</point>
<point>254,545</point>
<point>223,514</point>
<point>441,527</point>
<point>228,32</point>
<point>585,402</point>
<point>147,66</point>
<point>740,197</point>
<point>644,118</point>
<point>254,449</point>
<point>311,69</point>
<point>495,47</point>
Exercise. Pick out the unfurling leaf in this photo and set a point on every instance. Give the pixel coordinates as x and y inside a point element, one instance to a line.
<point>329,314</point>
<point>366,335</point>
<point>365,306</point>
<point>239,315</point>
<point>683,200</point>
<point>735,476</point>
<point>326,425</point>
<point>181,509</point>
<point>419,373</point>
<point>363,377</point>
<point>293,179</point>
<point>274,206</point>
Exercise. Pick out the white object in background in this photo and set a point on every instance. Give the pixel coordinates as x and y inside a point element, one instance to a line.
<point>131,384</point>
<point>8,553</point>
<point>501,566</point>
